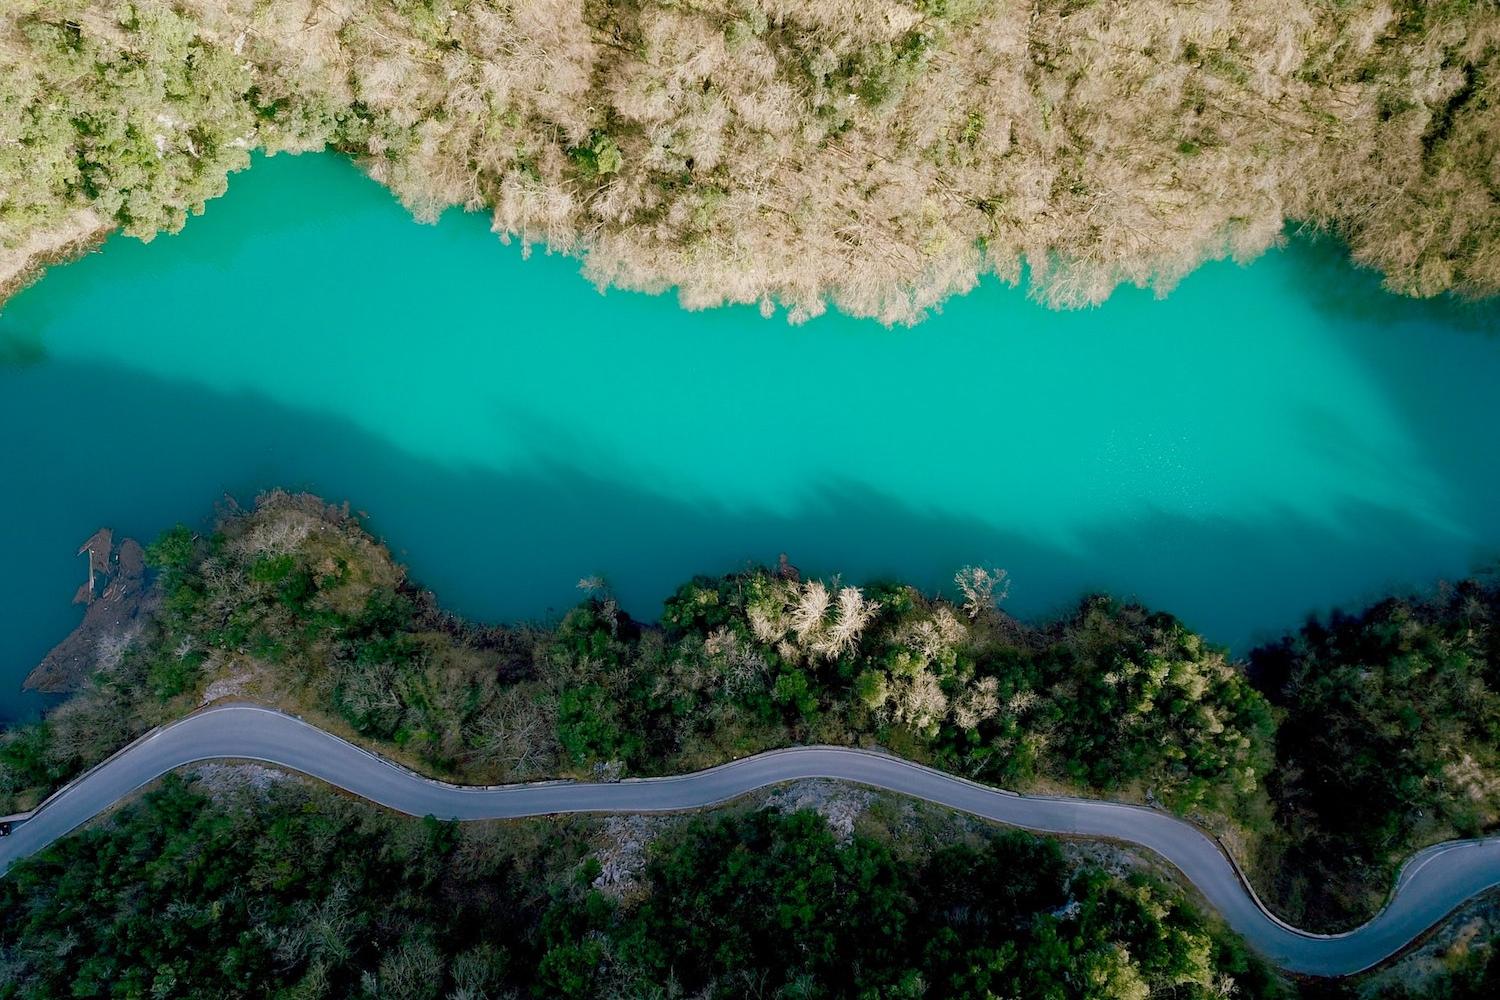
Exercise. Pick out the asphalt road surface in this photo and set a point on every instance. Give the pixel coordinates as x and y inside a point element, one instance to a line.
<point>1432,884</point>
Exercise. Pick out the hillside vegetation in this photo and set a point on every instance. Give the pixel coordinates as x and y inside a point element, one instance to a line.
<point>1390,737</point>
<point>1324,765</point>
<point>292,891</point>
<point>878,155</point>
<point>292,602</point>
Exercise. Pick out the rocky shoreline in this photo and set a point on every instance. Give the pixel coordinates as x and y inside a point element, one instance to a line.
<point>119,600</point>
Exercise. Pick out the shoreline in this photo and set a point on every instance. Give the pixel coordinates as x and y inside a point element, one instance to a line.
<point>874,160</point>
<point>34,264</point>
<point>30,265</point>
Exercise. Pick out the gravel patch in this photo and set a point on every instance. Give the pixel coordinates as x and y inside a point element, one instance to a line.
<point>223,780</point>
<point>839,803</point>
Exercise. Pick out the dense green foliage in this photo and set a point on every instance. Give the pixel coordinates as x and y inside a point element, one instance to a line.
<point>141,132</point>
<point>1390,737</point>
<point>1382,731</point>
<point>295,603</point>
<point>185,896</point>
<point>248,893</point>
<point>773,903</point>
<point>1477,977</point>
<point>1113,697</point>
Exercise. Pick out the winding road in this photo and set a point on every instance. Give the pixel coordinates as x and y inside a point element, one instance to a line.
<point>1432,884</point>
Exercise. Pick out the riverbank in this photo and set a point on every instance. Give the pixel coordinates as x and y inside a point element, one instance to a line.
<point>755,154</point>
<point>295,605</point>
<point>26,261</point>
<point>1432,885</point>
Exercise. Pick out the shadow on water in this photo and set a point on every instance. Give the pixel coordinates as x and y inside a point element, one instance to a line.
<point>20,349</point>
<point>99,442</point>
<point>507,545</point>
<point>1445,395</point>
<point>1325,276</point>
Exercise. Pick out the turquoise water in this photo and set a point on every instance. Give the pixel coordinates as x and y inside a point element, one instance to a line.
<point>1265,442</point>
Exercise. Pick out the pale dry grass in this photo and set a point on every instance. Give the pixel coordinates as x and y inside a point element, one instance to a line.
<point>71,235</point>
<point>876,156</point>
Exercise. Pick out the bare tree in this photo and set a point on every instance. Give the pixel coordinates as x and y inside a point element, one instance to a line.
<point>518,732</point>
<point>853,613</point>
<point>982,589</point>
<point>413,971</point>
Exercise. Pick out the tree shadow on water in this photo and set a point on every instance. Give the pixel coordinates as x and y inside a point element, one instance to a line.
<point>91,445</point>
<point>19,349</point>
<point>1323,272</point>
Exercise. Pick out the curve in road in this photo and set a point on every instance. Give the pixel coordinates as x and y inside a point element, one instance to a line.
<point>1432,884</point>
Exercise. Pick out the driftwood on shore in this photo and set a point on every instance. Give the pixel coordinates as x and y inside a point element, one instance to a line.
<point>114,617</point>
<point>100,546</point>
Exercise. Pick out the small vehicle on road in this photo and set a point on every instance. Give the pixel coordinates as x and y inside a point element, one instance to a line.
<point>4,829</point>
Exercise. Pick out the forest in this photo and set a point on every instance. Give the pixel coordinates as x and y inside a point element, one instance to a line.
<point>1321,761</point>
<point>217,886</point>
<point>229,882</point>
<point>877,156</point>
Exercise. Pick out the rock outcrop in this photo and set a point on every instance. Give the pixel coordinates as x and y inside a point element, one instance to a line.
<point>114,618</point>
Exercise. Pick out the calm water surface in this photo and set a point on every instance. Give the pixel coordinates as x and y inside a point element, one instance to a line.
<point>1265,442</point>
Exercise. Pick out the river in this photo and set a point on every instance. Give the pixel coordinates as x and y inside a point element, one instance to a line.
<point>1265,442</point>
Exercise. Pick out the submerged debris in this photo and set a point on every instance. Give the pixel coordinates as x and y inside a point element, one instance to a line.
<point>114,618</point>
